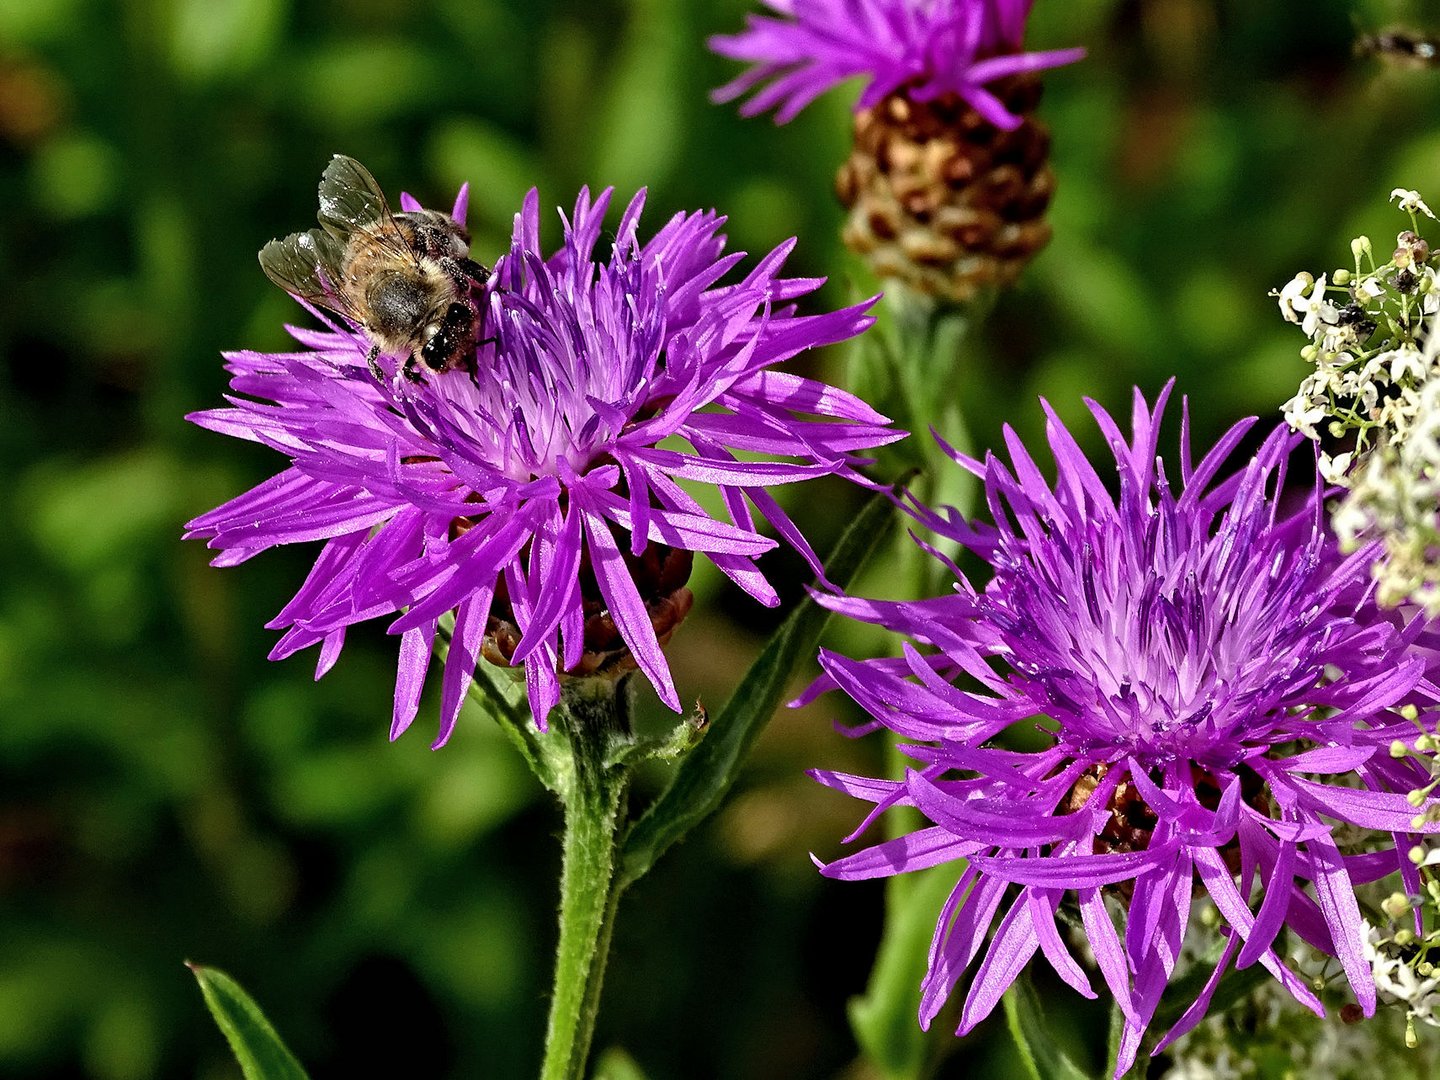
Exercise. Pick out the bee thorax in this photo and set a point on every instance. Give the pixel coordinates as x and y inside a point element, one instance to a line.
<point>434,235</point>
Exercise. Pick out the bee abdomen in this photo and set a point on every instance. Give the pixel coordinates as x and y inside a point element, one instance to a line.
<point>397,303</point>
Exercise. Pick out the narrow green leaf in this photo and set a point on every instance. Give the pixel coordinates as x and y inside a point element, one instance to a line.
<point>1113,1037</point>
<point>1031,1032</point>
<point>261,1054</point>
<point>706,775</point>
<point>668,746</point>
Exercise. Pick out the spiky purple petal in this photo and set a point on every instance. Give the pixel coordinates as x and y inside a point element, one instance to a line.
<point>928,47</point>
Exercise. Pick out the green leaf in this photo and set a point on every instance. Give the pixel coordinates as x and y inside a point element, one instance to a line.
<point>1031,1031</point>
<point>261,1054</point>
<point>886,1019</point>
<point>1112,1042</point>
<point>667,746</point>
<point>708,772</point>
<point>616,1064</point>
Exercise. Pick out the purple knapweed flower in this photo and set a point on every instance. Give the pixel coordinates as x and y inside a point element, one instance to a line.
<point>532,500</point>
<point>929,47</point>
<point>1214,692</point>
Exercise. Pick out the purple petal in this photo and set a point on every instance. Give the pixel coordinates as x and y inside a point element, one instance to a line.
<point>627,609</point>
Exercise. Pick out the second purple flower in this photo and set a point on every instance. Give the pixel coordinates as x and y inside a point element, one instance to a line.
<point>1210,697</point>
<point>949,180</point>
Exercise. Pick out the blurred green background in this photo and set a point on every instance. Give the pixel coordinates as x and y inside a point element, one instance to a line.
<point>166,793</point>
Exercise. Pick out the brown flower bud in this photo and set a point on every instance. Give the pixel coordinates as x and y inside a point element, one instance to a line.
<point>944,200</point>
<point>1410,249</point>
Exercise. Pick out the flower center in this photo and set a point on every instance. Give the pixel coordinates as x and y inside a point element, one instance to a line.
<point>1131,821</point>
<point>1148,635</point>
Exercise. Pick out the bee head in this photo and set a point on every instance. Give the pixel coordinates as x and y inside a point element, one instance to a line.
<point>449,341</point>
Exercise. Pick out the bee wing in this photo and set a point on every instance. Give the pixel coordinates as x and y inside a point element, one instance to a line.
<point>308,265</point>
<point>351,201</point>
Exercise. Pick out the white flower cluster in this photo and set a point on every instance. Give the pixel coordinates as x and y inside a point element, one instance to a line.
<point>1271,1036</point>
<point>1406,962</point>
<point>1375,392</point>
<point>1402,975</point>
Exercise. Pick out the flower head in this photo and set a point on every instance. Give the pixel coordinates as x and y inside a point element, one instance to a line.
<point>931,47</point>
<point>1213,690</point>
<point>541,503</point>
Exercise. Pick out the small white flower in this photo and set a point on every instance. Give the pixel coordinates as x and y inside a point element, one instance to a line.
<point>1367,398</point>
<point>1406,360</point>
<point>1370,289</point>
<point>1333,339</point>
<point>1395,977</point>
<point>1302,301</point>
<point>1411,202</point>
<point>1333,469</point>
<point>1293,296</point>
<point>1427,288</point>
<point>1351,521</point>
<point>1303,413</point>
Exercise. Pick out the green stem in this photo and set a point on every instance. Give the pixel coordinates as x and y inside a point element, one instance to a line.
<point>593,795</point>
<point>590,1005</point>
<point>927,352</point>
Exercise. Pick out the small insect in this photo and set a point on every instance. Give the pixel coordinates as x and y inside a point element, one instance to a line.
<point>407,279</point>
<point>1401,48</point>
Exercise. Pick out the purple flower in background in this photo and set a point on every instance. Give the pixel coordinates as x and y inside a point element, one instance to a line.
<point>930,47</point>
<point>1215,694</point>
<point>536,502</point>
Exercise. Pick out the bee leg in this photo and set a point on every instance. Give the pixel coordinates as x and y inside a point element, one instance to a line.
<point>411,370</point>
<point>372,359</point>
<point>465,272</point>
<point>475,272</point>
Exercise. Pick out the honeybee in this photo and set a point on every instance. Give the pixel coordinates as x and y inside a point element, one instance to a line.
<point>407,279</point>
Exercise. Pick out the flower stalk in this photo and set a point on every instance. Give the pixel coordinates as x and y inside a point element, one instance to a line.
<point>909,365</point>
<point>590,713</point>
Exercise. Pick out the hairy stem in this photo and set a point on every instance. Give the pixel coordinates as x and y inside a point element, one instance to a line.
<point>593,796</point>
